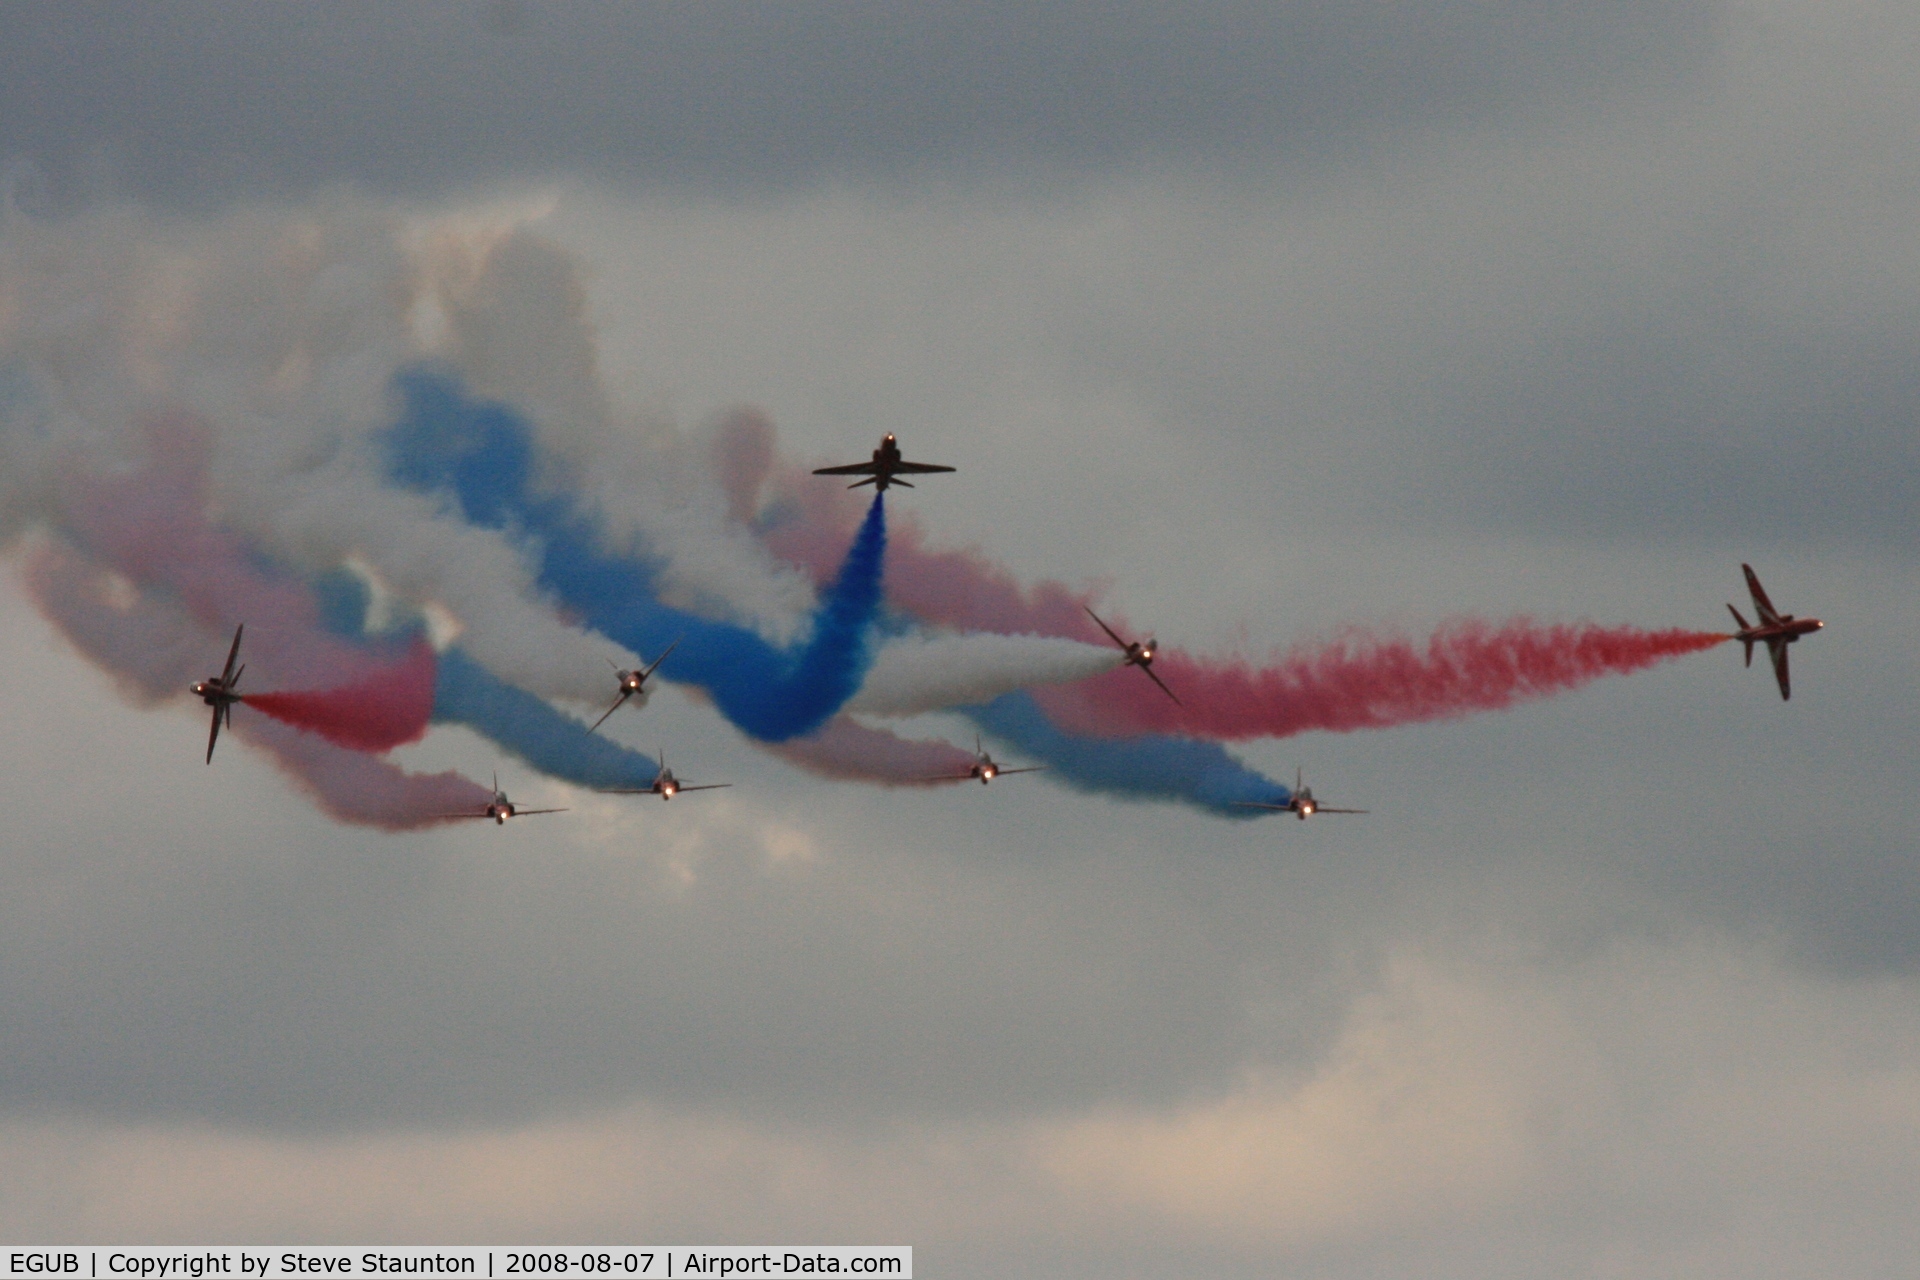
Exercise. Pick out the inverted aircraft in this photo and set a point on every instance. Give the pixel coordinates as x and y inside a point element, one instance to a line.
<point>1138,655</point>
<point>986,769</point>
<point>1301,804</point>
<point>665,785</point>
<point>1776,630</point>
<point>220,692</point>
<point>886,468</point>
<point>631,682</point>
<point>500,808</point>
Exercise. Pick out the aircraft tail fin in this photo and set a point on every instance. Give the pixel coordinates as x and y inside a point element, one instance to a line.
<point>1744,628</point>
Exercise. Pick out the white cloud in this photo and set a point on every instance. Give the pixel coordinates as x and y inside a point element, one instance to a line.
<point>1655,1109</point>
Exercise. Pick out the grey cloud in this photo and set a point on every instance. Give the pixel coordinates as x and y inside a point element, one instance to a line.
<point>246,963</point>
<point>195,102</point>
<point>1616,431</point>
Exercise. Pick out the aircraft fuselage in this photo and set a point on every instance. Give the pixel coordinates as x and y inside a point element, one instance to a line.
<point>215,693</point>
<point>1786,631</point>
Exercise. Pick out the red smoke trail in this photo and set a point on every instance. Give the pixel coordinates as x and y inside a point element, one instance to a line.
<point>1358,680</point>
<point>387,708</point>
<point>154,648</point>
<point>152,527</point>
<point>1363,681</point>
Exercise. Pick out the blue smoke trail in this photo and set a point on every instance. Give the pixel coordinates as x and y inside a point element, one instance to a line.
<point>464,692</point>
<point>481,452</point>
<point>1150,767</point>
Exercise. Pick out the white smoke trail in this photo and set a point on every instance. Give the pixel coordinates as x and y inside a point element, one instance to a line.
<point>425,559</point>
<point>920,673</point>
<point>283,332</point>
<point>513,319</point>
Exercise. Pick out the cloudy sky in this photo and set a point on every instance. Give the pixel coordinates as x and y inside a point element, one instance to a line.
<point>1270,318</point>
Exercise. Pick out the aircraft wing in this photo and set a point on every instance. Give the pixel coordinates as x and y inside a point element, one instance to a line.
<point>226,673</point>
<point>450,817</point>
<point>1769,616</point>
<point>657,661</point>
<point>1255,804</point>
<point>915,468</point>
<point>711,786</point>
<point>214,736</point>
<point>1777,650</point>
<point>1104,627</point>
<point>852,469</point>
<point>528,813</point>
<point>1163,684</point>
<point>610,710</point>
<point>1320,808</point>
<point>1032,768</point>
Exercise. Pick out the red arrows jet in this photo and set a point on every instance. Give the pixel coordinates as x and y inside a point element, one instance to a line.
<point>1138,655</point>
<point>1777,630</point>
<point>985,768</point>
<point>665,785</point>
<point>886,468</point>
<point>1301,805</point>
<point>631,682</point>
<point>500,808</point>
<point>219,692</point>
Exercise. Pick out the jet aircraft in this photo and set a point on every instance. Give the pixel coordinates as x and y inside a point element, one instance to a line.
<point>1302,804</point>
<point>985,768</point>
<point>631,682</point>
<point>886,468</point>
<point>500,808</point>
<point>219,692</point>
<point>1776,630</point>
<point>1138,655</point>
<point>665,785</point>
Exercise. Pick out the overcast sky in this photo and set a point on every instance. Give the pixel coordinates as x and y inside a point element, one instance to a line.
<point>1273,318</point>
